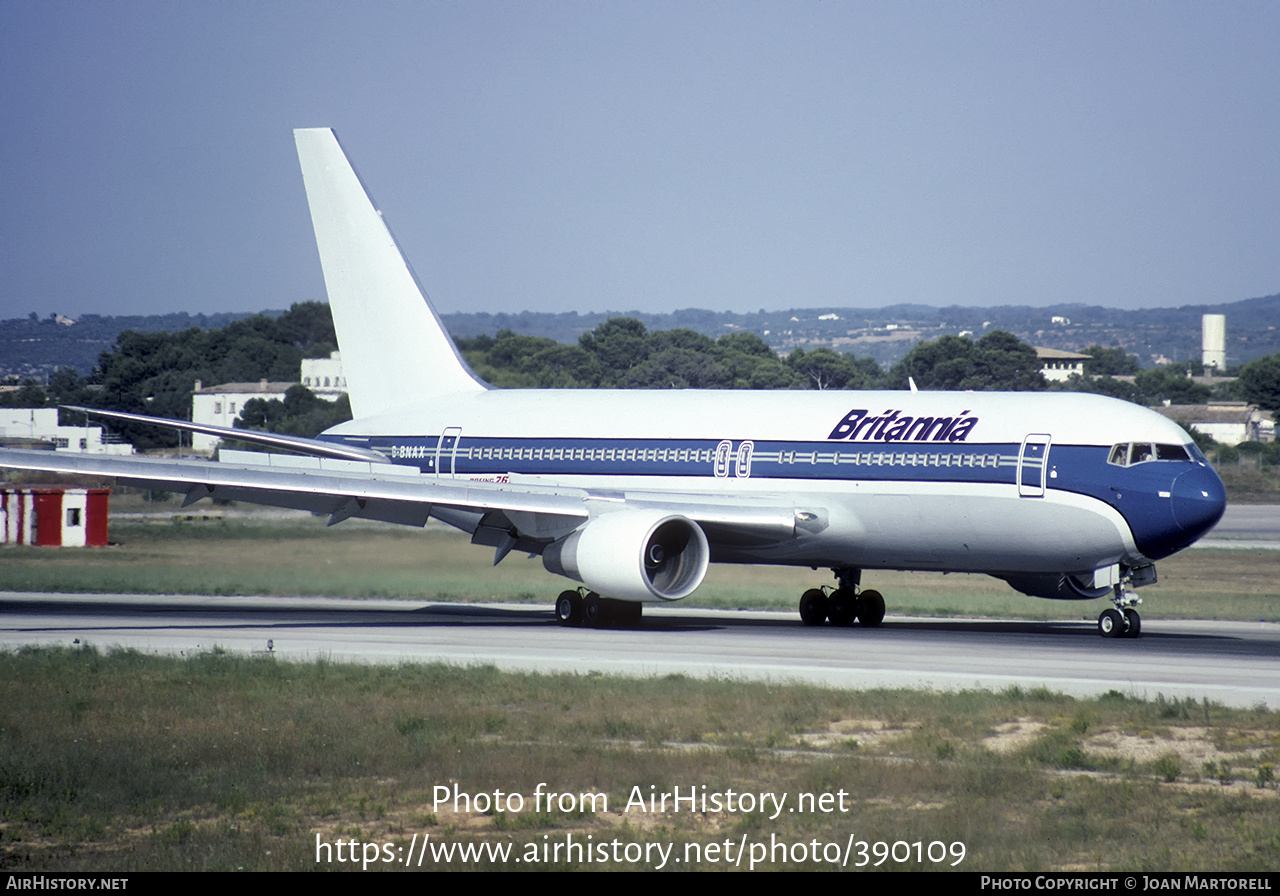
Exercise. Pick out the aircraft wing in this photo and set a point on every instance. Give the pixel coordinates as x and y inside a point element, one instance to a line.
<point>520,513</point>
<point>342,488</point>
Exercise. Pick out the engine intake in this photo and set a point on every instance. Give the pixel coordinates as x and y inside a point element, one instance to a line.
<point>634,555</point>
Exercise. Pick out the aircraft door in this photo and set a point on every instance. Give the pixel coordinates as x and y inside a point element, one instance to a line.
<point>447,451</point>
<point>1033,464</point>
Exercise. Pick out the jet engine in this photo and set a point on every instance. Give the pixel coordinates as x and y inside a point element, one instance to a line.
<point>634,555</point>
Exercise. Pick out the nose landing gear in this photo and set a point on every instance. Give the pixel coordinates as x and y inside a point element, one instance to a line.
<point>1121,620</point>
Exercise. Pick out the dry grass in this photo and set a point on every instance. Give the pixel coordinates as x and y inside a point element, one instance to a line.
<point>131,762</point>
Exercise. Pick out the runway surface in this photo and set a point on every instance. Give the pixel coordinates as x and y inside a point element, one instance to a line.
<point>1233,663</point>
<point>1245,526</point>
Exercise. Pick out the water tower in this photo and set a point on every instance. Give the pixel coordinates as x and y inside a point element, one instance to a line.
<point>1213,328</point>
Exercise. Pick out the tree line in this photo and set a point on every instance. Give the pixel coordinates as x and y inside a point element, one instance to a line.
<point>154,373</point>
<point>622,354</point>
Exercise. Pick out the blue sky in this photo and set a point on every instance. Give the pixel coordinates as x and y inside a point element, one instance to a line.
<point>585,156</point>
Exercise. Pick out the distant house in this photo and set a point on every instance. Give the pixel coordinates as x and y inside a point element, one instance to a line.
<point>39,428</point>
<point>323,376</point>
<point>1059,366</point>
<point>221,405</point>
<point>1228,422</point>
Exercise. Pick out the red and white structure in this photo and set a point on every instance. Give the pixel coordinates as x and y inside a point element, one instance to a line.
<point>54,515</point>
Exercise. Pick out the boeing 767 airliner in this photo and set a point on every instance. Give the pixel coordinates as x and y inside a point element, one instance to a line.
<point>633,493</point>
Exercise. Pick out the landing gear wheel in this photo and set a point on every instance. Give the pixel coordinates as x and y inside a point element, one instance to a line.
<point>628,614</point>
<point>813,607</point>
<point>569,608</point>
<point>842,607</point>
<point>870,608</point>
<point>593,610</point>
<point>1132,623</point>
<point>1111,624</point>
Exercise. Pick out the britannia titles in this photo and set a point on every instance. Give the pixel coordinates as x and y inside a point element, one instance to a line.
<point>857,425</point>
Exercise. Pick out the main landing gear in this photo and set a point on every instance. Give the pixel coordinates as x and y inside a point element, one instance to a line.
<point>844,604</point>
<point>1121,620</point>
<point>583,607</point>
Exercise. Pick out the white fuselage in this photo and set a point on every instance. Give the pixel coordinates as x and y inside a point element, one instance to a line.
<point>985,482</point>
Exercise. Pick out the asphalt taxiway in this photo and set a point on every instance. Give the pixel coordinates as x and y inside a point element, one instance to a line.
<point>1233,663</point>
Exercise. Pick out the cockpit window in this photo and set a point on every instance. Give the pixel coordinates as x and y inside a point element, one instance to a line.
<point>1126,454</point>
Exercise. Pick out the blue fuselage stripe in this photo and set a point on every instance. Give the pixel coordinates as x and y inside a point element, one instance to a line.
<point>844,461</point>
<point>1140,493</point>
<point>761,460</point>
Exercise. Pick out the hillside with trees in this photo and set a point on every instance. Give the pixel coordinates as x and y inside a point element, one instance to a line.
<point>33,347</point>
<point>623,354</point>
<point>154,372</point>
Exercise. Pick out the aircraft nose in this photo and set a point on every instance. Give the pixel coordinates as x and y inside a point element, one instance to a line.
<point>1198,500</point>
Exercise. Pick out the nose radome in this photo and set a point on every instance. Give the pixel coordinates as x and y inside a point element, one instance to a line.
<point>1199,499</point>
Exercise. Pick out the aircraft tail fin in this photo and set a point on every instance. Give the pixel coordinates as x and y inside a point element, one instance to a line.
<point>394,346</point>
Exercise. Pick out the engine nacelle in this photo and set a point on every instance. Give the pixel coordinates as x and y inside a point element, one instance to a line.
<point>634,555</point>
<point>1059,586</point>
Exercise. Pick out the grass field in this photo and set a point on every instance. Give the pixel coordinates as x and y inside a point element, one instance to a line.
<point>132,762</point>
<point>1248,483</point>
<point>205,553</point>
<point>124,761</point>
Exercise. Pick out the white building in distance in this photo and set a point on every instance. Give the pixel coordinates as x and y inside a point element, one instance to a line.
<point>221,405</point>
<point>1228,422</point>
<point>323,376</point>
<point>1059,366</point>
<point>39,426</point>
